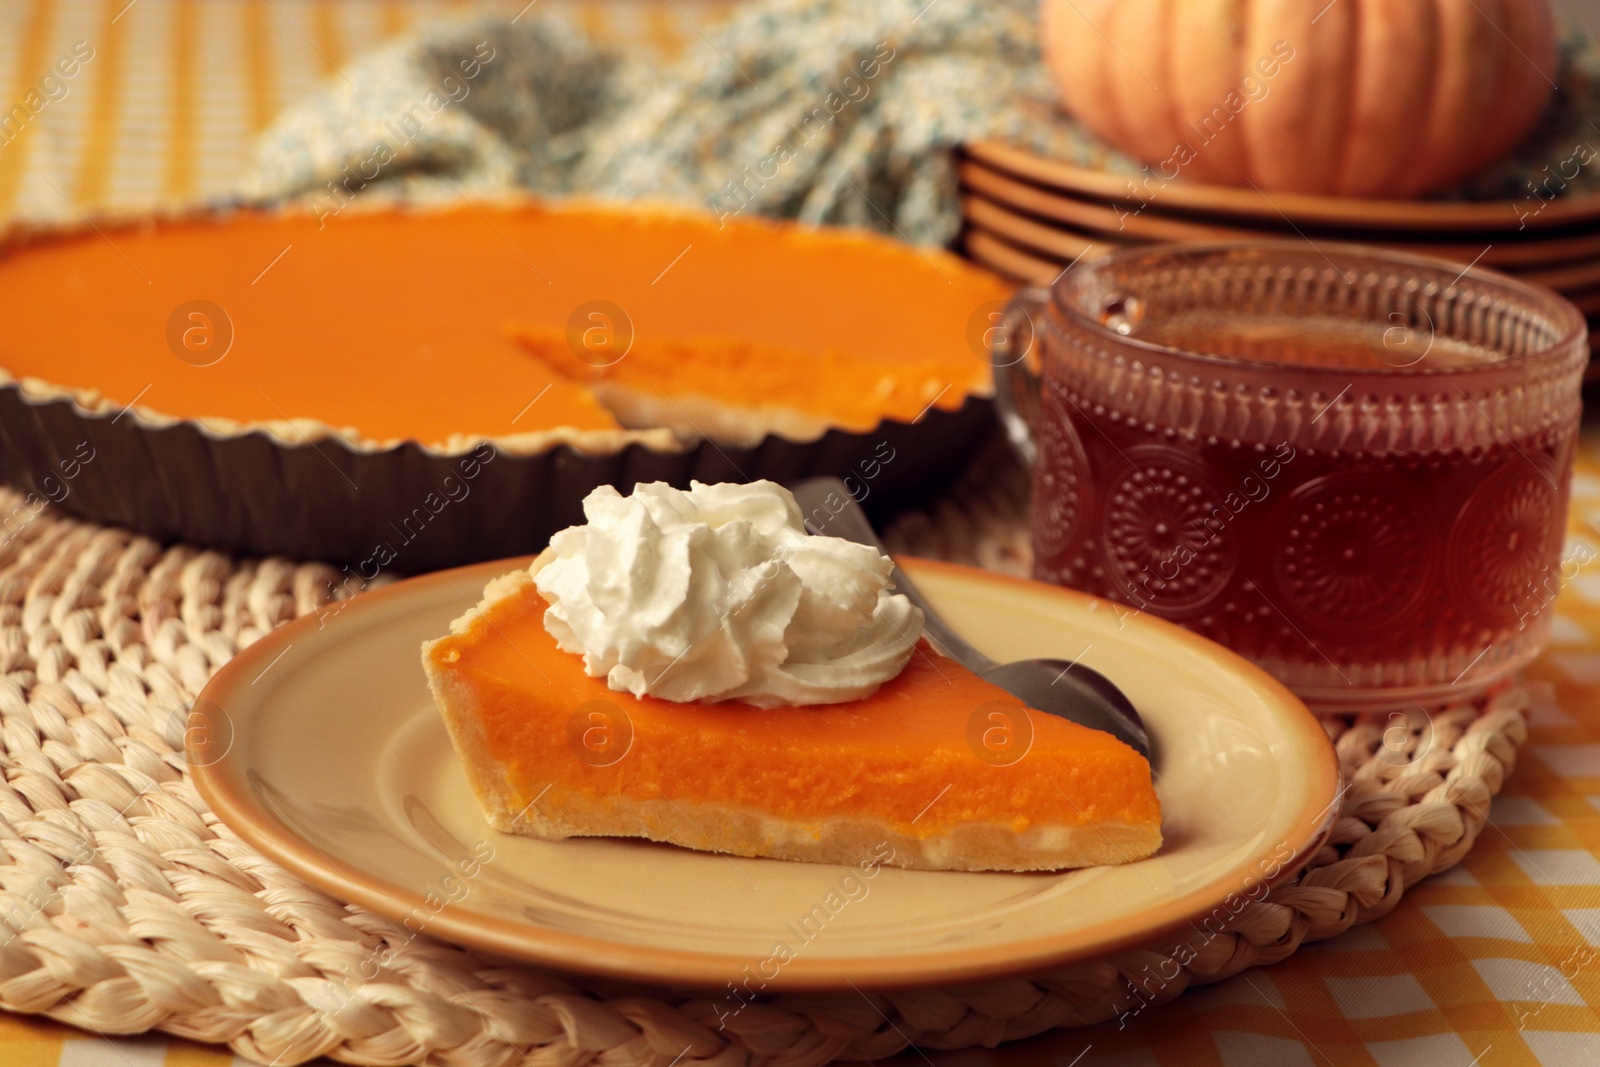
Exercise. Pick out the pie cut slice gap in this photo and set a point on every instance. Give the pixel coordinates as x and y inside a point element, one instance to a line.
<point>936,770</point>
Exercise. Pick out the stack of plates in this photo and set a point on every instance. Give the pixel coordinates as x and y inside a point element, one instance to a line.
<point>1028,217</point>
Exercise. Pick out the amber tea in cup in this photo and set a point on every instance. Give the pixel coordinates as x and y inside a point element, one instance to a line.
<point>1349,466</point>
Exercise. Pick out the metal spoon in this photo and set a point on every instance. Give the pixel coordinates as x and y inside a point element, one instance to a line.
<point>1054,686</point>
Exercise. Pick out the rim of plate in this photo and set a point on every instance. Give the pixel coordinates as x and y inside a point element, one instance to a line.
<point>1412,216</point>
<point>222,785</point>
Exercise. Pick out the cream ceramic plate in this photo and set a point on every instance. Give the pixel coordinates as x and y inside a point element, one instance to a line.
<point>320,746</point>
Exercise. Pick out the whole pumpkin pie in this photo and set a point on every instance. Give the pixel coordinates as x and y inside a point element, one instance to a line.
<point>522,323</point>
<point>609,743</point>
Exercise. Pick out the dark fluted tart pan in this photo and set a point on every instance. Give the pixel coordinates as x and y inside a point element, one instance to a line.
<point>302,489</point>
<point>406,508</point>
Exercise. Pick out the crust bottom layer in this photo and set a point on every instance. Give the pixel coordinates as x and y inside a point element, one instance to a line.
<point>972,847</point>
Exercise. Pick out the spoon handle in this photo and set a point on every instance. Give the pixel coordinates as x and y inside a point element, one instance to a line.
<point>831,511</point>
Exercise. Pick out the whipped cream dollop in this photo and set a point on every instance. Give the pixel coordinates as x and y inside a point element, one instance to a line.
<point>718,593</point>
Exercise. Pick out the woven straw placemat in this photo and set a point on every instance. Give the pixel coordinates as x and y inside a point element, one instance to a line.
<point>128,907</point>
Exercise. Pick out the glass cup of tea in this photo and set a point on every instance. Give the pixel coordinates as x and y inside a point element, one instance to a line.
<point>1348,465</point>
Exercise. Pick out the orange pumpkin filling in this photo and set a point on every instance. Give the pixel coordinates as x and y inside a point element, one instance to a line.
<point>405,325</point>
<point>905,760</point>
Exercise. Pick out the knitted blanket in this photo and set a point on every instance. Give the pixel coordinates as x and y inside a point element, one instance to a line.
<point>827,111</point>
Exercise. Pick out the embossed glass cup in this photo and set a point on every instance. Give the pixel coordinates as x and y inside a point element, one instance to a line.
<point>1347,465</point>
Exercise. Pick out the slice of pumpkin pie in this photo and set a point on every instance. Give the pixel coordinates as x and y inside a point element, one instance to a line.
<point>693,668</point>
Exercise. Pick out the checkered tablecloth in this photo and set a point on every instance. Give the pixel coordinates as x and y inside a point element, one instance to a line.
<point>1495,964</point>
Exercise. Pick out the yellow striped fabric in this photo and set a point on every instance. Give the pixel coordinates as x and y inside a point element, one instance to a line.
<point>164,96</point>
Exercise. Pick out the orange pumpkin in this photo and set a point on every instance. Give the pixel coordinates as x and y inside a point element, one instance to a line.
<point>1384,98</point>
